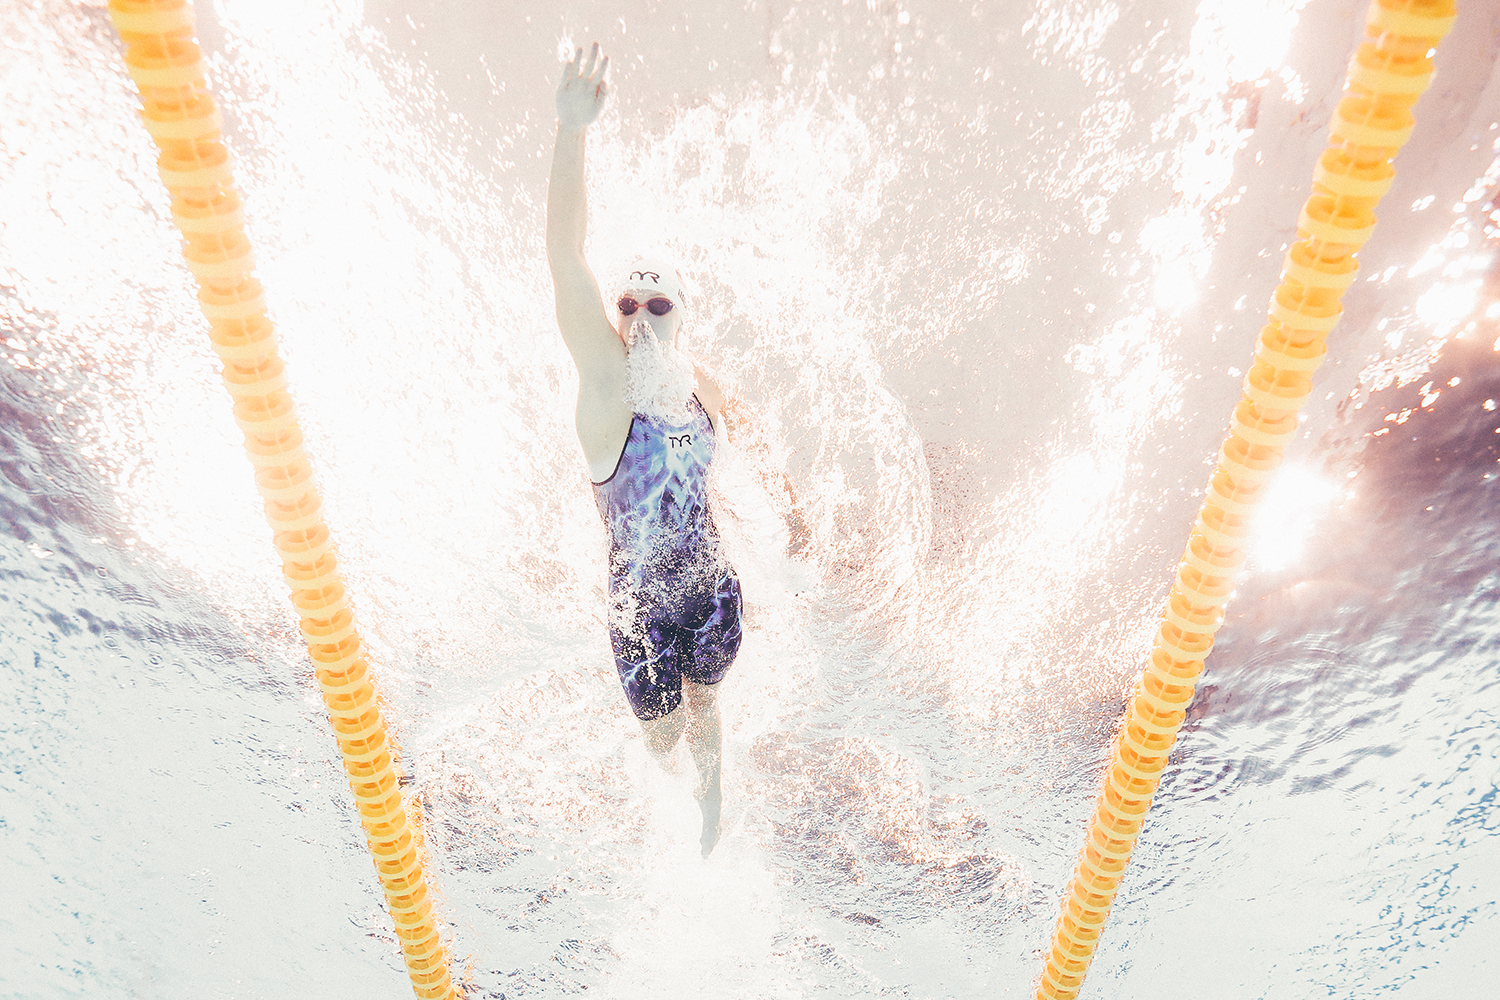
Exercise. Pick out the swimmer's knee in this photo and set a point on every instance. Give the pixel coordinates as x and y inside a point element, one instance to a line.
<point>698,695</point>
<point>663,732</point>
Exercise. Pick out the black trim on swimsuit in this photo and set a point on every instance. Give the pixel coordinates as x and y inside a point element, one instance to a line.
<point>616,471</point>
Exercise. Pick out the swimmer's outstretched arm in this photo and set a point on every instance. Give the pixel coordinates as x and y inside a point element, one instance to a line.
<point>580,314</point>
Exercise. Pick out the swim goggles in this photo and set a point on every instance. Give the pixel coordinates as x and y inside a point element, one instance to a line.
<point>659,305</point>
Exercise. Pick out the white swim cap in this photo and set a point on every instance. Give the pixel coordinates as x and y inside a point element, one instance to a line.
<point>654,277</point>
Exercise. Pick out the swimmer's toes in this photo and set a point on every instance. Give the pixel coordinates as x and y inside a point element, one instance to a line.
<point>710,839</point>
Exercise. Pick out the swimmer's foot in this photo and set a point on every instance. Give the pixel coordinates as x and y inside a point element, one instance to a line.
<point>710,802</point>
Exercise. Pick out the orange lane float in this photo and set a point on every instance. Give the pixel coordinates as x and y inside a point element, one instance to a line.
<point>1390,70</point>
<point>182,118</point>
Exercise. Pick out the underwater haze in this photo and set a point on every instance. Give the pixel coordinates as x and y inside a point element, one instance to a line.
<point>989,275</point>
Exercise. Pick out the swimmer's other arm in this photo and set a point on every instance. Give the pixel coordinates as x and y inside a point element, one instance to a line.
<point>741,427</point>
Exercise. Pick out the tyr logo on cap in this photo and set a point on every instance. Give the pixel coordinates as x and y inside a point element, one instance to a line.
<point>652,276</point>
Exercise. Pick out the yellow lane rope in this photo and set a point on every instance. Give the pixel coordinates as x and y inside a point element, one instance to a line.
<point>183,119</point>
<point>1373,120</point>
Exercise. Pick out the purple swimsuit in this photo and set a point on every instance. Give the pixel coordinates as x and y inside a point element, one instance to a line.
<point>674,603</point>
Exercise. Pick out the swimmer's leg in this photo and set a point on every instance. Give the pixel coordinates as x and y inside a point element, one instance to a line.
<point>648,669</point>
<point>662,735</point>
<point>705,742</point>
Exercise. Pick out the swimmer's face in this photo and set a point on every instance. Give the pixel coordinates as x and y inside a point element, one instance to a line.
<point>665,325</point>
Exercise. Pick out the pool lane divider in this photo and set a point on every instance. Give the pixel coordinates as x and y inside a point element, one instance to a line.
<point>1373,120</point>
<point>181,116</point>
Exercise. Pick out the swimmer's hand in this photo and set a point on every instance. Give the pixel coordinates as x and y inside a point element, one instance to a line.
<point>581,94</point>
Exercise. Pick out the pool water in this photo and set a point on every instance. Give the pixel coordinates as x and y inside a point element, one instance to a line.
<point>988,275</point>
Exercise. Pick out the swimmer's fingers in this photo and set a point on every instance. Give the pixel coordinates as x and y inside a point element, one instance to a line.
<point>582,91</point>
<point>570,72</point>
<point>592,72</point>
<point>592,76</point>
<point>594,79</point>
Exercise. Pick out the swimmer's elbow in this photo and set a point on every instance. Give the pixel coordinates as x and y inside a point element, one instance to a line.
<point>564,253</point>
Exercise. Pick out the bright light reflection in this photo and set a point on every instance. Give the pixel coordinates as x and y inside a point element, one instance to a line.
<point>1176,286</point>
<point>1254,36</point>
<point>1295,501</point>
<point>1442,306</point>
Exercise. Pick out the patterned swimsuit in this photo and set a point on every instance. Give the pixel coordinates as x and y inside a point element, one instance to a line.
<point>674,603</point>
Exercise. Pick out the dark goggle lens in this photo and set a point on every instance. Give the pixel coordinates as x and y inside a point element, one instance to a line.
<point>659,306</point>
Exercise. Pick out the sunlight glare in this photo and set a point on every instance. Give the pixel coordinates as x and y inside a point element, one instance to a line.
<point>1295,501</point>
<point>1256,37</point>
<point>1442,306</point>
<point>1176,286</point>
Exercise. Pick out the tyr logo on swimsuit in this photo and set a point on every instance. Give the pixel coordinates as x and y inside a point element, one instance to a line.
<point>680,440</point>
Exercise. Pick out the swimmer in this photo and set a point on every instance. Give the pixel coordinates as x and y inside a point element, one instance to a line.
<point>646,419</point>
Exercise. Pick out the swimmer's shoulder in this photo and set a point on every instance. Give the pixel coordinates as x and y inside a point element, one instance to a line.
<point>709,394</point>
